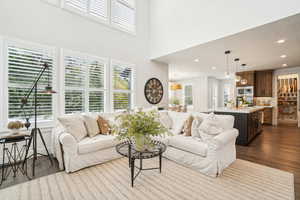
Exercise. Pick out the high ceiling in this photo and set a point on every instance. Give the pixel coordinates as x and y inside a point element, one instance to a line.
<point>258,48</point>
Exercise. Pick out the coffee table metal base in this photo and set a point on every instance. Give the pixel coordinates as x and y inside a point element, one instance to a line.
<point>132,167</point>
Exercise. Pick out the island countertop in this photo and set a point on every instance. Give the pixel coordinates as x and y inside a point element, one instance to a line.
<point>240,110</point>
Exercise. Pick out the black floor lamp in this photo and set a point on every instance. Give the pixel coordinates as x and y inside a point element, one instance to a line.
<point>35,130</point>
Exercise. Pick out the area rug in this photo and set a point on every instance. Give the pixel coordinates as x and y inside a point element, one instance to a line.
<point>242,180</point>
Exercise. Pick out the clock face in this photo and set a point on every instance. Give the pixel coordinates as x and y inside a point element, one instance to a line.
<point>154,91</point>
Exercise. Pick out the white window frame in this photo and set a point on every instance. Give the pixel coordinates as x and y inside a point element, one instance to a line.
<point>66,52</point>
<point>87,14</point>
<point>183,91</point>
<point>105,21</point>
<point>112,90</point>
<point>2,82</point>
<point>11,41</point>
<point>117,26</point>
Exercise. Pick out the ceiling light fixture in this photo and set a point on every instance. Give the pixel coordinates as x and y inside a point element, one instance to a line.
<point>280,41</point>
<point>196,60</point>
<point>283,56</point>
<point>284,65</point>
<point>237,77</point>
<point>227,75</point>
<point>213,68</point>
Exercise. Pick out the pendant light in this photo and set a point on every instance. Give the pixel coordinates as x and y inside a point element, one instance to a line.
<point>227,74</point>
<point>237,77</point>
<point>244,81</point>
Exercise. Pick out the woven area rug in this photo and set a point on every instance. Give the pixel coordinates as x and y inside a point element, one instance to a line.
<point>242,180</point>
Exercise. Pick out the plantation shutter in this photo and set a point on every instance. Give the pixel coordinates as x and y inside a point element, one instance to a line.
<point>81,5</point>
<point>24,65</point>
<point>74,84</point>
<point>98,8</point>
<point>123,14</point>
<point>84,84</point>
<point>122,86</point>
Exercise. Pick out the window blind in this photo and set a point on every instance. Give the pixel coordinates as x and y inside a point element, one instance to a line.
<point>84,84</point>
<point>98,8</point>
<point>122,86</point>
<point>81,5</point>
<point>123,14</point>
<point>24,65</point>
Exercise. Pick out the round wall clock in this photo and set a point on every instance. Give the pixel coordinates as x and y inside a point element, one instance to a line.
<point>154,91</point>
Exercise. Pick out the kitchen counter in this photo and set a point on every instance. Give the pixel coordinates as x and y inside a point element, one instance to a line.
<point>241,110</point>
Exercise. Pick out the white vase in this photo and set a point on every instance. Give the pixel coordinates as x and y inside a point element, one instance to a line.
<point>14,131</point>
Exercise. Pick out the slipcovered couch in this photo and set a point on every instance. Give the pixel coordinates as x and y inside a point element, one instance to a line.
<point>209,158</point>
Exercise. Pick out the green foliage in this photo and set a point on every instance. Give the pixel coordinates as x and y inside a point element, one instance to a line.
<point>138,125</point>
<point>175,101</point>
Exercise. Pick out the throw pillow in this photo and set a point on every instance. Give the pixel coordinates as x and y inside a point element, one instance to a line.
<point>91,125</point>
<point>210,127</point>
<point>74,125</point>
<point>103,126</point>
<point>165,120</point>
<point>187,128</point>
<point>178,121</point>
<point>195,126</point>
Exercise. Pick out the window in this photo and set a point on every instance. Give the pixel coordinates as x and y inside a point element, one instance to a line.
<point>96,9</point>
<point>123,14</point>
<point>122,84</point>
<point>188,95</point>
<point>84,83</point>
<point>24,64</point>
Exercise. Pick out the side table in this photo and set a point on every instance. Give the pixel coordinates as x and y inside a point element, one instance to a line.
<point>14,154</point>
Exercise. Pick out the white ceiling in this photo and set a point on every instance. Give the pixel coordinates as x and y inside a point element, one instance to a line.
<point>256,47</point>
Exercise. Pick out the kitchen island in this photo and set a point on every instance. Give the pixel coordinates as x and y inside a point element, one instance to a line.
<point>247,120</point>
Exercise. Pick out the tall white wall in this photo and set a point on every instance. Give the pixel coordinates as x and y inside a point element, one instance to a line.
<point>39,22</point>
<point>180,24</point>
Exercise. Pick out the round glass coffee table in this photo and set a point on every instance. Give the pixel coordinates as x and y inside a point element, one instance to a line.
<point>127,149</point>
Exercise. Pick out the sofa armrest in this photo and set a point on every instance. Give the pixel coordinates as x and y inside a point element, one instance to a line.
<point>227,137</point>
<point>69,143</point>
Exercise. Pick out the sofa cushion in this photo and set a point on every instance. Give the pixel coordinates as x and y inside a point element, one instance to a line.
<point>188,144</point>
<point>210,127</point>
<point>103,125</point>
<point>74,125</point>
<point>195,126</point>
<point>96,143</point>
<point>225,121</point>
<point>187,128</point>
<point>91,125</point>
<point>178,121</point>
<point>165,120</point>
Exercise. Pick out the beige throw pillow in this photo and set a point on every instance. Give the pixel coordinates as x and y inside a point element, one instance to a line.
<point>187,129</point>
<point>74,125</point>
<point>91,125</point>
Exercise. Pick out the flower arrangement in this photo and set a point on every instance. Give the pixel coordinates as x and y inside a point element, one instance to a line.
<point>15,126</point>
<point>140,126</point>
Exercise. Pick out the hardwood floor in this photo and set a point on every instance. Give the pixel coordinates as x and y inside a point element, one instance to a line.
<point>277,147</point>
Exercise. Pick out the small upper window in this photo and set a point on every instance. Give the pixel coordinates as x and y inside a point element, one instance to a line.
<point>123,14</point>
<point>188,95</point>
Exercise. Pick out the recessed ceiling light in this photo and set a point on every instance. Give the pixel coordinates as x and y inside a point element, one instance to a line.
<point>284,65</point>
<point>283,56</point>
<point>196,60</point>
<point>213,68</point>
<point>280,41</point>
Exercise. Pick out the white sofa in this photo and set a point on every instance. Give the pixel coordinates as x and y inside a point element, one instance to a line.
<point>208,158</point>
<point>73,155</point>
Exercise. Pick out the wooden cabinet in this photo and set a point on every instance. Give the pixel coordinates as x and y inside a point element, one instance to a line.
<point>249,76</point>
<point>268,116</point>
<point>263,83</point>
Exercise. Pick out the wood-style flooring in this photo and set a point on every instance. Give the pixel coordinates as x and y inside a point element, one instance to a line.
<point>277,147</point>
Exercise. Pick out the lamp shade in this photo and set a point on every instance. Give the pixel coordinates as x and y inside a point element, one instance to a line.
<point>176,86</point>
<point>48,90</point>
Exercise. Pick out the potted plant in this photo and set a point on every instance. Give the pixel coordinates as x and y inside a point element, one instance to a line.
<point>139,127</point>
<point>15,127</point>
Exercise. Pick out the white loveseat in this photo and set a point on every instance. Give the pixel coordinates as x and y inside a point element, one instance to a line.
<point>208,158</point>
<point>74,155</point>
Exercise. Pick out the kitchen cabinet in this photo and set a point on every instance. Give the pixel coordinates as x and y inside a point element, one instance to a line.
<point>268,116</point>
<point>263,84</point>
<point>249,76</point>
